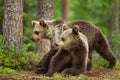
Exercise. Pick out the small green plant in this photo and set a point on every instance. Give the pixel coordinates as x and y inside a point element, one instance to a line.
<point>58,75</point>
<point>82,77</point>
<point>0,38</point>
<point>7,71</point>
<point>117,67</point>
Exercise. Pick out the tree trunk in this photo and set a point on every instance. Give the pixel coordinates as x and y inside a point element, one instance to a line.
<point>116,17</point>
<point>45,11</point>
<point>65,9</point>
<point>115,29</point>
<point>13,23</point>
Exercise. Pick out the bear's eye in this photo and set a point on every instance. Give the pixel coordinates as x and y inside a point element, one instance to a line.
<point>36,32</point>
<point>63,39</point>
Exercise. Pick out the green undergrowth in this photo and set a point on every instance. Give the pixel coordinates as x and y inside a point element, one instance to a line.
<point>98,61</point>
<point>15,59</point>
<point>12,59</point>
<point>7,71</point>
<point>117,67</point>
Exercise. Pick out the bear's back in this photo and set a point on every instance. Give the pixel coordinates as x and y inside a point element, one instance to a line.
<point>89,30</point>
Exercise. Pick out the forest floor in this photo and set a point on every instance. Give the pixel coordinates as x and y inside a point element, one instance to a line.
<point>94,74</point>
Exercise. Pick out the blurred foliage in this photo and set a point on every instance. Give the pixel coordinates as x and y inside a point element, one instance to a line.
<point>30,12</point>
<point>1,15</point>
<point>12,59</point>
<point>98,12</point>
<point>115,44</point>
<point>7,71</point>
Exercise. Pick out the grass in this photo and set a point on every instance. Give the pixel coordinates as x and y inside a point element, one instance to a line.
<point>98,61</point>
<point>7,71</point>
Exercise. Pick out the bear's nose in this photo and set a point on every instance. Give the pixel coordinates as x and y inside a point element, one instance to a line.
<point>32,39</point>
<point>56,44</point>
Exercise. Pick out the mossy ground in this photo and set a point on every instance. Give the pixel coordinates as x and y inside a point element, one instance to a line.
<point>94,74</point>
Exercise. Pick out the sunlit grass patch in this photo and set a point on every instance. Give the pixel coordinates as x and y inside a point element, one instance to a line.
<point>7,71</point>
<point>117,67</point>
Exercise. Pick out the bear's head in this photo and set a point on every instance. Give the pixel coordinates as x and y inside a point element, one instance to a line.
<point>47,29</point>
<point>41,30</point>
<point>67,39</point>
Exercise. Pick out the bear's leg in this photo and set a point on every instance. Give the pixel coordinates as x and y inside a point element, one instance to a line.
<point>58,62</point>
<point>104,50</point>
<point>42,66</point>
<point>89,65</point>
<point>79,64</point>
<point>72,71</point>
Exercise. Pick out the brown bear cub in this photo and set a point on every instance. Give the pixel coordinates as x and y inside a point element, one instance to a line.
<point>76,44</point>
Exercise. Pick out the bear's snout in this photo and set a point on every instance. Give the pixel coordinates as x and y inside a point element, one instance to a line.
<point>56,44</point>
<point>33,39</point>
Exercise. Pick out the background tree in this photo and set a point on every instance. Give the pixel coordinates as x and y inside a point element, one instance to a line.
<point>65,10</point>
<point>115,34</point>
<point>116,17</point>
<point>13,23</point>
<point>1,14</point>
<point>45,11</point>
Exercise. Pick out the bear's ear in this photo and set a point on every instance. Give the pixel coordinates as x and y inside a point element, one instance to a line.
<point>65,27</point>
<point>34,22</point>
<point>75,30</point>
<point>42,23</point>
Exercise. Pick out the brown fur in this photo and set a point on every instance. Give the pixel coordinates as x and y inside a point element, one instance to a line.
<point>96,40</point>
<point>59,62</point>
<point>42,66</point>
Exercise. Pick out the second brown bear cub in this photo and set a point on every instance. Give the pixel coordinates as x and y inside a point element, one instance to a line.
<point>76,44</point>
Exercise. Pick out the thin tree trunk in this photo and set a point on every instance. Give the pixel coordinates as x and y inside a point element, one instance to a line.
<point>13,23</point>
<point>65,9</point>
<point>45,11</point>
<point>116,17</point>
<point>115,28</point>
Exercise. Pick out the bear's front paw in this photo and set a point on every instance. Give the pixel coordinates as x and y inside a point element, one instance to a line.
<point>40,71</point>
<point>48,74</point>
<point>66,72</point>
